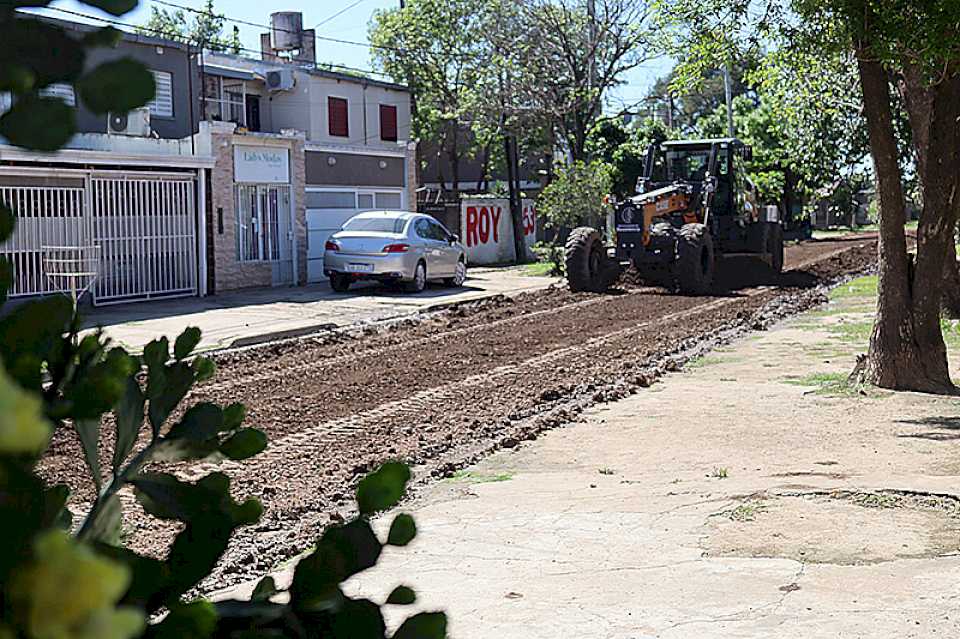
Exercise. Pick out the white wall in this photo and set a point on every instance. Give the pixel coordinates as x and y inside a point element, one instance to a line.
<point>486,230</point>
<point>362,133</point>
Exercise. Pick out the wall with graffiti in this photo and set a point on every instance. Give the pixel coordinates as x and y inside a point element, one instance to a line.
<point>487,230</point>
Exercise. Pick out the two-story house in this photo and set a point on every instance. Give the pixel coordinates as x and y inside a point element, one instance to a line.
<point>120,201</point>
<point>355,153</point>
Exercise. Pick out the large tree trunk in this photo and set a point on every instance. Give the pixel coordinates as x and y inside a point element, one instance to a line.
<point>906,347</point>
<point>920,100</point>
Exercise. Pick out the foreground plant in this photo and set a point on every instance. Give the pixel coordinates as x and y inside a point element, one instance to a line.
<point>61,578</point>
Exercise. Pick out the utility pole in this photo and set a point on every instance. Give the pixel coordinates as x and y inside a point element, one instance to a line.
<point>728,94</point>
<point>669,110</point>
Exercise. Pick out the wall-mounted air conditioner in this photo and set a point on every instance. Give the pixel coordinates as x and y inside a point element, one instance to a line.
<point>280,79</point>
<point>136,122</point>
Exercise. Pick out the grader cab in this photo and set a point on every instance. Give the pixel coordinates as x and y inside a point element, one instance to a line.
<point>694,204</point>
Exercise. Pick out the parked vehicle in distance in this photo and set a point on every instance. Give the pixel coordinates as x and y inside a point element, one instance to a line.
<point>394,247</point>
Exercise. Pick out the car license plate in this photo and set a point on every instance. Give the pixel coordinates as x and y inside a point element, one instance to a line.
<point>360,268</point>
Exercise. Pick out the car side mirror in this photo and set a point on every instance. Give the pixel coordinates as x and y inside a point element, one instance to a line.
<point>454,239</point>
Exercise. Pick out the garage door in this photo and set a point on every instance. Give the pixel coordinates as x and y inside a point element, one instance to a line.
<point>329,209</point>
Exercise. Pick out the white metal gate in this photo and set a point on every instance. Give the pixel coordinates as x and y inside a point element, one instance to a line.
<point>264,228</point>
<point>144,223</point>
<point>48,212</point>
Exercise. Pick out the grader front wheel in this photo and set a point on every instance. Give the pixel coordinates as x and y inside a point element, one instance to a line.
<point>588,267</point>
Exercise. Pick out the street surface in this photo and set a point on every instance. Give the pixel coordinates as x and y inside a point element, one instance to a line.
<point>444,390</point>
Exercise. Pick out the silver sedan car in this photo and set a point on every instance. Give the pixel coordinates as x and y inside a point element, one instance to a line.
<point>394,246</point>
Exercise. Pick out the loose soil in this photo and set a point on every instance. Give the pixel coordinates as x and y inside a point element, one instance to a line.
<point>441,390</point>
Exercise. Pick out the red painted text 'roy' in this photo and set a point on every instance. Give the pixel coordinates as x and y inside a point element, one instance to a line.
<point>483,223</point>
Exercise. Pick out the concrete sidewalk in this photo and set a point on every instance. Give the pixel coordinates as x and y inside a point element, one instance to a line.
<point>754,494</point>
<point>246,317</point>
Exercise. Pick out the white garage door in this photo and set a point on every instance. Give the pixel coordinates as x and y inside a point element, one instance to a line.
<point>329,209</point>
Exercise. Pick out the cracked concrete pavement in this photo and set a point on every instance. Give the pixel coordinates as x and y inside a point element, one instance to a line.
<point>752,495</point>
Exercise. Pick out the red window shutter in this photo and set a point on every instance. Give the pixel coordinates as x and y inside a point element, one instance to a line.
<point>339,122</point>
<point>388,123</point>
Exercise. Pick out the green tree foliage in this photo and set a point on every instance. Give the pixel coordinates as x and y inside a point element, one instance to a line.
<point>623,148</point>
<point>438,48</point>
<point>915,47</point>
<point>85,584</point>
<point>576,196</point>
<point>201,29</point>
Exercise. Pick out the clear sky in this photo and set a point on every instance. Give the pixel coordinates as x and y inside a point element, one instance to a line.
<point>342,19</point>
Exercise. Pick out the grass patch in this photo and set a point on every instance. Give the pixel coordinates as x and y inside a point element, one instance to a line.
<point>855,332</point>
<point>834,385</point>
<point>720,473</point>
<point>479,478</point>
<point>746,511</point>
<point>539,269</point>
<point>861,287</point>
<point>701,362</point>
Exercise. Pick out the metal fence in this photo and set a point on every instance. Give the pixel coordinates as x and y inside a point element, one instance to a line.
<point>144,223</point>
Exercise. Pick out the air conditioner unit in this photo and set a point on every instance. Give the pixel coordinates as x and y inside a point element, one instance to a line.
<point>280,80</point>
<point>136,122</point>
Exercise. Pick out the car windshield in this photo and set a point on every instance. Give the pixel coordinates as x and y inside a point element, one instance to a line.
<point>376,224</point>
<point>687,165</point>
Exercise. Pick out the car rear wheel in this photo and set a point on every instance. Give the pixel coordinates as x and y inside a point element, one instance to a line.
<point>419,281</point>
<point>339,282</point>
<point>459,276</point>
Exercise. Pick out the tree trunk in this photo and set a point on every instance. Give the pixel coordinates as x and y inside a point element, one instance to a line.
<point>484,167</point>
<point>920,99</point>
<point>903,354</point>
<point>455,164</point>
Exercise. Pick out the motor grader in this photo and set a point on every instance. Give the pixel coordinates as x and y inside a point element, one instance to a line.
<point>694,204</point>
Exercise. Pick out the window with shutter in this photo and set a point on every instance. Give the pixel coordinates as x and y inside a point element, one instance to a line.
<point>162,103</point>
<point>60,90</point>
<point>388,123</point>
<point>337,109</point>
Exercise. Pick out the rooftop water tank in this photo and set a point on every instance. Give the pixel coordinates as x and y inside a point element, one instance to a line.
<point>286,33</point>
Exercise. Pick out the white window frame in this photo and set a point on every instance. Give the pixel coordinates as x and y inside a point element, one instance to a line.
<point>267,233</point>
<point>358,190</point>
<point>224,103</point>
<point>162,78</point>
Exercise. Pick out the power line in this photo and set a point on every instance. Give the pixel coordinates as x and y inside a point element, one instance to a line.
<point>165,35</point>
<point>338,13</point>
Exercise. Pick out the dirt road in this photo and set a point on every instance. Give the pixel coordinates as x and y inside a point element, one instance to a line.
<point>443,391</point>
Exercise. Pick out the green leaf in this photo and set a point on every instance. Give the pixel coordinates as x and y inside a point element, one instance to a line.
<point>265,589</point>
<point>194,553</point>
<point>89,432</point>
<point>106,527</point>
<point>200,423</point>
<point>129,418</point>
<point>7,222</point>
<point>37,53</point>
<point>342,552</point>
<point>38,123</point>
<point>156,352</point>
<point>402,596</point>
<point>30,335</point>
<point>233,416</point>
<point>118,86</point>
<point>358,619</point>
<point>167,497</point>
<point>204,368</point>
<point>402,530</point>
<point>149,576</point>
<point>114,7</point>
<point>195,620</point>
<point>55,508</point>
<point>186,342</point>
<point>244,444</point>
<point>383,488</point>
<point>426,625</point>
<point>165,396</point>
